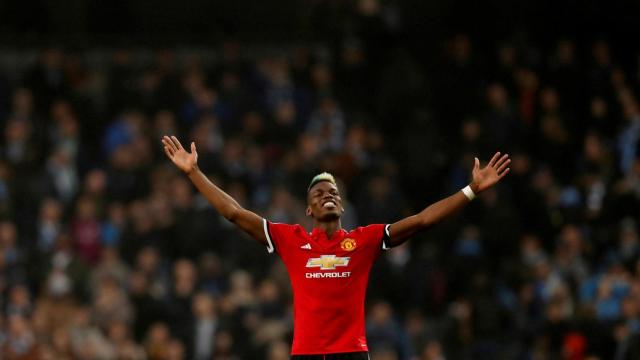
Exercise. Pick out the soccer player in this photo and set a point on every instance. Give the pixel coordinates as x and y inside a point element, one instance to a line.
<point>329,266</point>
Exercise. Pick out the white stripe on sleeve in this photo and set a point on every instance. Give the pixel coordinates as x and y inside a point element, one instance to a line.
<point>386,237</point>
<point>270,247</point>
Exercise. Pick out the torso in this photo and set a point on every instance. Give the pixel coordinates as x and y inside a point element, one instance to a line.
<point>329,280</point>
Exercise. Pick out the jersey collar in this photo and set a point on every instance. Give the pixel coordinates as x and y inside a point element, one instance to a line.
<point>319,235</point>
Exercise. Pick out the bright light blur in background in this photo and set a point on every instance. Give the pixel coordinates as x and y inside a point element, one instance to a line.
<point>107,252</point>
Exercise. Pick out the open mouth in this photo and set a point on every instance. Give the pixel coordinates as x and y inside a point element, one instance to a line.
<point>329,204</point>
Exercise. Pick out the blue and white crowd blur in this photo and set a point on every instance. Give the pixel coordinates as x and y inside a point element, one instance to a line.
<point>108,252</point>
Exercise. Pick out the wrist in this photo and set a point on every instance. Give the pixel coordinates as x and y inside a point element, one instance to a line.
<point>468,192</point>
<point>474,187</point>
<point>192,170</point>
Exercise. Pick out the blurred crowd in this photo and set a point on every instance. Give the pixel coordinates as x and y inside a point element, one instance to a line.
<point>108,252</point>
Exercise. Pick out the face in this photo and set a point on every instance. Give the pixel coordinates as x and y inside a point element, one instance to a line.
<point>324,202</point>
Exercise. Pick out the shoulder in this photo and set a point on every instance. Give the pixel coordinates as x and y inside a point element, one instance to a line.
<point>285,228</point>
<point>373,231</point>
<point>294,227</point>
<point>373,228</point>
<point>373,235</point>
<point>279,235</point>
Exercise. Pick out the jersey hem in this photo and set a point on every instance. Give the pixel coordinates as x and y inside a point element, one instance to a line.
<point>298,353</point>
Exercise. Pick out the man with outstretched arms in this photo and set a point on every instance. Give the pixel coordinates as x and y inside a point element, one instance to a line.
<point>329,266</point>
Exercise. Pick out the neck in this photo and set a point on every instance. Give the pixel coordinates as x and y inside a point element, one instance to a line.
<point>329,227</point>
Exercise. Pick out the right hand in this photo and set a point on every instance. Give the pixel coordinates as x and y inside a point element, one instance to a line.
<point>187,162</point>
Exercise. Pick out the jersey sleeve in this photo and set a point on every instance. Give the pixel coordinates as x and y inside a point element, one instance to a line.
<point>386,238</point>
<point>378,236</point>
<point>277,235</point>
<point>267,233</point>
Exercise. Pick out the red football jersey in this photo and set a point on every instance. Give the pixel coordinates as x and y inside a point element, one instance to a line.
<point>329,280</point>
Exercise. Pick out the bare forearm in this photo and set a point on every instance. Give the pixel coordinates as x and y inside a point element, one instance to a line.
<point>483,178</point>
<point>432,214</point>
<point>436,212</point>
<point>228,206</point>
<point>220,200</point>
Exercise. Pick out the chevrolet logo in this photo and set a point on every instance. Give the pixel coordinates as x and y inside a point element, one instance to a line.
<point>327,262</point>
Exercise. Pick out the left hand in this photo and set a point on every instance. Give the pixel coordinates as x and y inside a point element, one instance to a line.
<point>489,175</point>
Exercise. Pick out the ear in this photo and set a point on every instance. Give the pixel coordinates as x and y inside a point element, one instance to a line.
<point>308,211</point>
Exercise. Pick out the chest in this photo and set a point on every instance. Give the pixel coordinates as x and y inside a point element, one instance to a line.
<point>321,258</point>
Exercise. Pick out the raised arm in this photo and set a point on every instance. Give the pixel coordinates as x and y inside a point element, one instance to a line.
<point>482,179</point>
<point>227,206</point>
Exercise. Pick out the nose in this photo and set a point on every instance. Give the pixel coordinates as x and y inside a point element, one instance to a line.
<point>328,197</point>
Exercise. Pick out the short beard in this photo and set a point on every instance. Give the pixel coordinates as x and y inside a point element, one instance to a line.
<point>330,217</point>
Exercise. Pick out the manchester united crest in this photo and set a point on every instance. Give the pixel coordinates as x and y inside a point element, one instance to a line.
<point>348,244</point>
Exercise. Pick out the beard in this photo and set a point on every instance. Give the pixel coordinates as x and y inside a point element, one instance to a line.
<point>329,216</point>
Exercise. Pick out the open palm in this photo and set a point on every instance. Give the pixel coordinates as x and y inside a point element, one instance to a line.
<point>489,175</point>
<point>184,160</point>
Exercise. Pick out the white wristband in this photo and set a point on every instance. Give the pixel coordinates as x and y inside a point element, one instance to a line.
<point>468,192</point>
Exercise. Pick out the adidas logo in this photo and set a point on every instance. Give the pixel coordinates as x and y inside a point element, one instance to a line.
<point>307,246</point>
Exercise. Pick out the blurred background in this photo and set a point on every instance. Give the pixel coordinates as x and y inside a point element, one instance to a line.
<point>107,252</point>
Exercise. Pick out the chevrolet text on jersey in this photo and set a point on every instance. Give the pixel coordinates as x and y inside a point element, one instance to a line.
<point>319,275</point>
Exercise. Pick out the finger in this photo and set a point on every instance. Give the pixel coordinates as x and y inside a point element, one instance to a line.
<point>501,161</point>
<point>503,166</point>
<point>500,176</point>
<point>476,164</point>
<point>168,152</point>
<point>193,147</point>
<point>167,142</point>
<point>176,142</point>
<point>168,145</point>
<point>494,158</point>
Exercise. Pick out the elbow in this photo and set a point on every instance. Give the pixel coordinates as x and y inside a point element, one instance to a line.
<point>232,214</point>
<point>425,222</point>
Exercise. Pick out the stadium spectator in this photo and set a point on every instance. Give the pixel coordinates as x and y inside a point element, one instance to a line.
<point>105,251</point>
